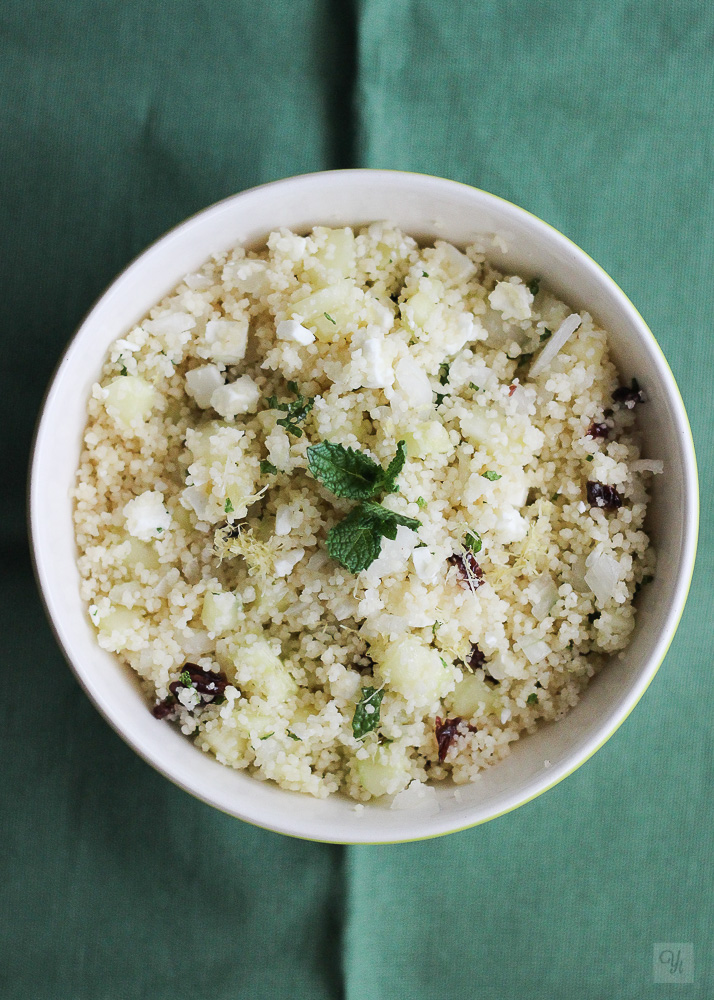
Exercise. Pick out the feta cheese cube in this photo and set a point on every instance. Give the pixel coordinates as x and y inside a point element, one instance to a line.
<point>241,396</point>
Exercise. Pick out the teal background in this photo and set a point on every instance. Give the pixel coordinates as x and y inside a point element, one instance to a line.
<point>117,120</point>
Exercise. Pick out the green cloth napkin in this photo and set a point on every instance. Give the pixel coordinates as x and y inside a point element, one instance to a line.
<point>119,119</point>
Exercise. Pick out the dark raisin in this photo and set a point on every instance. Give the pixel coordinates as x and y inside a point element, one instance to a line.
<point>469,571</point>
<point>475,659</point>
<point>598,431</point>
<point>164,709</point>
<point>629,395</point>
<point>208,684</point>
<point>446,733</point>
<point>602,496</point>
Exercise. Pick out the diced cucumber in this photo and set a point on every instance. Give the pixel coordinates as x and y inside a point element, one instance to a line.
<point>383,774</point>
<point>428,438</point>
<point>472,696</point>
<point>415,671</point>
<point>220,612</point>
<point>129,399</point>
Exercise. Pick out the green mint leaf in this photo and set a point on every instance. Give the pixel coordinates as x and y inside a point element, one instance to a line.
<point>366,717</point>
<point>421,503</point>
<point>472,385</point>
<point>344,471</point>
<point>544,336</point>
<point>159,531</point>
<point>491,475</point>
<point>424,274</point>
<point>268,467</point>
<point>473,540</point>
<point>355,542</point>
<point>328,317</point>
<point>185,679</point>
<point>293,736</point>
<point>267,736</point>
<point>588,458</point>
<point>388,478</point>
<point>349,473</point>
<point>228,507</point>
<point>534,286</point>
<point>295,411</point>
<point>532,699</point>
<point>123,370</point>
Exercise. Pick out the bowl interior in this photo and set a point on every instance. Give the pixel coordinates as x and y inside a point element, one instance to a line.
<point>427,208</point>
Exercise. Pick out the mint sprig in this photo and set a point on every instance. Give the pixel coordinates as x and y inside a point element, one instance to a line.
<point>351,474</point>
<point>355,542</point>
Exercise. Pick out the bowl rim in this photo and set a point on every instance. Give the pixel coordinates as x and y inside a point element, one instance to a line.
<point>680,588</point>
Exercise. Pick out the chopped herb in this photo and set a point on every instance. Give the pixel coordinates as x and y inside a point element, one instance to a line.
<point>424,274</point>
<point>185,679</point>
<point>588,458</point>
<point>421,503</point>
<point>267,736</point>
<point>523,360</point>
<point>443,380</point>
<point>268,467</point>
<point>554,497</point>
<point>355,541</point>
<point>603,496</point>
<point>228,508</point>
<point>435,627</point>
<point>472,385</point>
<point>328,317</point>
<point>349,473</point>
<point>472,540</point>
<point>159,531</point>
<point>123,370</point>
<point>444,664</point>
<point>491,475</point>
<point>295,411</point>
<point>534,286</point>
<point>293,736</point>
<point>532,699</point>
<point>545,335</point>
<point>366,717</point>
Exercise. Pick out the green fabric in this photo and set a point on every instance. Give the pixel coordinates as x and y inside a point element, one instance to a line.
<point>119,119</point>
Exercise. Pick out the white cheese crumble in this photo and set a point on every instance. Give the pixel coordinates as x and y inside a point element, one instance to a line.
<point>512,299</point>
<point>146,516</point>
<point>241,396</point>
<point>290,329</point>
<point>202,382</point>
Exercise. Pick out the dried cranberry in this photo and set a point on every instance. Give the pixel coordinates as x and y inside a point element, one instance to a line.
<point>598,431</point>
<point>512,388</point>
<point>629,395</point>
<point>446,733</point>
<point>470,573</point>
<point>602,496</point>
<point>164,709</point>
<point>475,659</point>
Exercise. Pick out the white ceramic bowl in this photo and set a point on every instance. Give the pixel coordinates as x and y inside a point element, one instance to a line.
<point>426,207</point>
